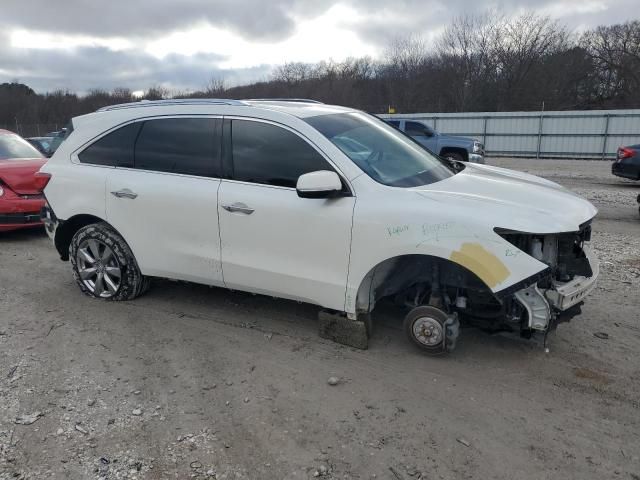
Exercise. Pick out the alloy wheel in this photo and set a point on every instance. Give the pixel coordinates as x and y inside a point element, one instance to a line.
<point>98,268</point>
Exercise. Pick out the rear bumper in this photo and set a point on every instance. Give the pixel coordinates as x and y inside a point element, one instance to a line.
<point>626,170</point>
<point>20,212</point>
<point>19,218</point>
<point>49,220</point>
<point>17,221</point>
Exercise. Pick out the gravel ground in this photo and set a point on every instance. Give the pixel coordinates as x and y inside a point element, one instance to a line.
<point>195,382</point>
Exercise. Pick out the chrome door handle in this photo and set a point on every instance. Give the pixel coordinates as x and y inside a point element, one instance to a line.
<point>125,193</point>
<point>238,207</point>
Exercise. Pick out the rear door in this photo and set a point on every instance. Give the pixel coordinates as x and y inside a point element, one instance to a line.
<point>274,242</point>
<point>162,196</point>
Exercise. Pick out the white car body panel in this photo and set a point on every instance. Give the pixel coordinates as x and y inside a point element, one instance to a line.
<point>290,247</point>
<point>313,250</point>
<point>454,219</point>
<point>72,196</point>
<point>167,240</point>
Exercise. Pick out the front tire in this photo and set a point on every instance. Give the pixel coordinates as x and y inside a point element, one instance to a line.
<point>103,264</point>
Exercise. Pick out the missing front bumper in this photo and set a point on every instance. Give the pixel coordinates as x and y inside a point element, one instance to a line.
<point>565,295</point>
<point>538,309</point>
<point>544,305</point>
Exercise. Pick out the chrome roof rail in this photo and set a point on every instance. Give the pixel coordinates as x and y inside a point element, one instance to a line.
<point>176,101</point>
<point>295,100</point>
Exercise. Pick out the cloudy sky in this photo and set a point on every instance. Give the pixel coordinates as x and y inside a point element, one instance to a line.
<point>181,44</point>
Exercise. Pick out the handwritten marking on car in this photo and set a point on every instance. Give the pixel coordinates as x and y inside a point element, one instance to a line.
<point>397,230</point>
<point>435,228</point>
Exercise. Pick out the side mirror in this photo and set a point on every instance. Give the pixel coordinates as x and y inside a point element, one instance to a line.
<point>320,184</point>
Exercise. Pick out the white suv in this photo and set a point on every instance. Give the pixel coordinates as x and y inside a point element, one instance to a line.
<point>316,203</point>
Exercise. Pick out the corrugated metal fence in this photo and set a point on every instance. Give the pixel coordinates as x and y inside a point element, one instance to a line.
<point>565,134</point>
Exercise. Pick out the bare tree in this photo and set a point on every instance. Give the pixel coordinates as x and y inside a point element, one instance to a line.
<point>216,87</point>
<point>156,92</point>
<point>615,53</point>
<point>293,72</point>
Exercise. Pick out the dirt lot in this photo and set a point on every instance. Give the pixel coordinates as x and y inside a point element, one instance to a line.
<point>194,382</point>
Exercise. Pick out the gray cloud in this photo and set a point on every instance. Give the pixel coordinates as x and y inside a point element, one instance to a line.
<point>424,17</point>
<point>86,68</point>
<point>270,20</point>
<point>255,19</point>
<point>141,21</point>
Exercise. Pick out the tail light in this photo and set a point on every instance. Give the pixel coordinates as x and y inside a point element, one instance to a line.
<point>624,152</point>
<point>41,180</point>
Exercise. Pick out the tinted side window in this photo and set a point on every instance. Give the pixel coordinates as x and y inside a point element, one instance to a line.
<point>114,149</point>
<point>264,153</point>
<point>180,145</point>
<point>415,129</point>
<point>394,123</point>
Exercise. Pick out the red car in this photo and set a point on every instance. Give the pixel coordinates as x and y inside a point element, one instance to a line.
<point>21,185</point>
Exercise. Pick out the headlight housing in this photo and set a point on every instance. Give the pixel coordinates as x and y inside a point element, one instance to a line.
<point>478,148</point>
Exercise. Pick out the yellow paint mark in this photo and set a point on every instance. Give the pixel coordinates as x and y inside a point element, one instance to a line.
<point>481,262</point>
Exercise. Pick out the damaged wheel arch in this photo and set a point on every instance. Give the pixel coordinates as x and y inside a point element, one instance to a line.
<point>66,229</point>
<point>397,274</point>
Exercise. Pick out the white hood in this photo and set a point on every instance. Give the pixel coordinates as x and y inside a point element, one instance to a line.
<point>512,200</point>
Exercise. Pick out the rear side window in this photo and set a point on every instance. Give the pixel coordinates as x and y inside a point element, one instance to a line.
<point>180,145</point>
<point>177,145</point>
<point>271,155</point>
<point>114,149</point>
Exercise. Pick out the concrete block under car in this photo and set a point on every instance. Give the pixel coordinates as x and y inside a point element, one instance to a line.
<point>340,329</point>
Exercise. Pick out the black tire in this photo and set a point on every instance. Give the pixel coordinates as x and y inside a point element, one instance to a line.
<point>131,282</point>
<point>434,314</point>
<point>454,156</point>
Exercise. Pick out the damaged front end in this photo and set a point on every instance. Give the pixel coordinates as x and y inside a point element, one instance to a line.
<point>439,294</point>
<point>555,294</point>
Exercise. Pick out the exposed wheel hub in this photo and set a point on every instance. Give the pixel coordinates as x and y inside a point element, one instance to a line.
<point>427,331</point>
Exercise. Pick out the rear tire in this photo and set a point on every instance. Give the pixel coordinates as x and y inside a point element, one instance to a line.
<point>104,266</point>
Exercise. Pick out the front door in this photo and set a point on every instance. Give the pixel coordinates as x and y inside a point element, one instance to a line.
<point>274,242</point>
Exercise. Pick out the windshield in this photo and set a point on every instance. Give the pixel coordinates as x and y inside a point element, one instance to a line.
<point>14,147</point>
<point>381,151</point>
